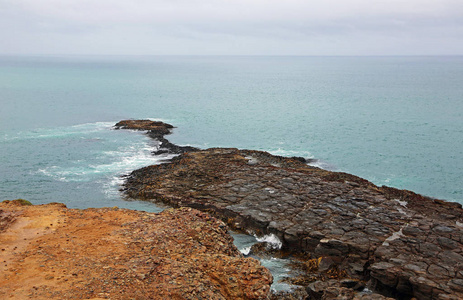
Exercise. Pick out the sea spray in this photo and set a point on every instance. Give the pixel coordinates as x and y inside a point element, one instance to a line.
<point>279,267</point>
<point>80,165</point>
<point>272,240</point>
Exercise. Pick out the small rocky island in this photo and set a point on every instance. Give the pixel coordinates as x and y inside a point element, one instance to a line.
<point>351,232</point>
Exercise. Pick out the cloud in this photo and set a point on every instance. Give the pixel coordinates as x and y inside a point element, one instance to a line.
<point>224,24</point>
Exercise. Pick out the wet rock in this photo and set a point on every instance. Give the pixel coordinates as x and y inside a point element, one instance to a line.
<point>353,284</point>
<point>370,296</point>
<point>390,236</point>
<point>264,250</point>
<point>338,293</point>
<point>316,289</point>
<point>295,294</point>
<point>333,289</point>
<point>156,130</point>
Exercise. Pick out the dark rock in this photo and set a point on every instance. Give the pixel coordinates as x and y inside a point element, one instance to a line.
<point>316,289</point>
<point>385,272</point>
<point>423,288</point>
<point>438,271</point>
<point>167,147</point>
<point>156,130</point>
<point>338,293</point>
<point>411,230</point>
<point>263,250</point>
<point>353,284</point>
<point>456,285</point>
<point>370,296</point>
<point>153,126</point>
<point>295,294</point>
<point>409,245</point>
<point>301,159</point>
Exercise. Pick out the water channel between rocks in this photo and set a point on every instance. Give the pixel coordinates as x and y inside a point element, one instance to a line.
<point>279,267</point>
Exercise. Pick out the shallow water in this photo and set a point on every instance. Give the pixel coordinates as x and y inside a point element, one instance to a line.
<point>279,267</point>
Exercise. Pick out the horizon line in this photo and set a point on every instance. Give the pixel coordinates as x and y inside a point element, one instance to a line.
<point>232,55</point>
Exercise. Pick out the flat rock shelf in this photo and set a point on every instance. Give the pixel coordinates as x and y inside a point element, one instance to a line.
<point>399,243</point>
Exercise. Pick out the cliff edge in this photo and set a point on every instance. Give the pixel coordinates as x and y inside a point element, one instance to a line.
<point>52,252</point>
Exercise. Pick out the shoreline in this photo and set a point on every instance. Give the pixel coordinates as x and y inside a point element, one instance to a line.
<point>366,233</point>
<point>346,237</point>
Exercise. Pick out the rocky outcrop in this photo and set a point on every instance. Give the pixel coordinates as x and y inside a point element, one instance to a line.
<point>145,125</point>
<point>156,130</point>
<point>404,244</point>
<point>52,252</point>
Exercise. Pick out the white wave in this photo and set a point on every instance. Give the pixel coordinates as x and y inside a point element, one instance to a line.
<point>290,153</point>
<point>118,162</point>
<point>58,132</point>
<point>112,186</point>
<point>280,270</point>
<point>118,153</point>
<point>324,165</point>
<point>244,243</point>
<point>366,291</point>
<point>245,250</point>
<point>271,239</point>
<point>161,120</point>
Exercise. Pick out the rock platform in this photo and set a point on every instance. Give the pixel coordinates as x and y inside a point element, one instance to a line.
<point>399,243</point>
<point>52,252</point>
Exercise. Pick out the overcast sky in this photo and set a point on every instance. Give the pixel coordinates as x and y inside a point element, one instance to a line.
<point>223,27</point>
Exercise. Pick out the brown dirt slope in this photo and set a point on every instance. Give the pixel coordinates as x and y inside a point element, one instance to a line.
<point>52,252</point>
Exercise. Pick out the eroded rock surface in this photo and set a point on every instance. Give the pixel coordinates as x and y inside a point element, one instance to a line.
<point>51,252</point>
<point>405,244</point>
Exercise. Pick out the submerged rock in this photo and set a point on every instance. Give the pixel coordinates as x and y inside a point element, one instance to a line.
<point>404,244</point>
<point>52,252</point>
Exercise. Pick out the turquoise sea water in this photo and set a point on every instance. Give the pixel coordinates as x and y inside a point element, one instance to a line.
<point>396,121</point>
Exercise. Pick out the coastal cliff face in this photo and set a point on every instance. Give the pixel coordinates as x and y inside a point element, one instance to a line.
<point>52,252</point>
<point>403,244</point>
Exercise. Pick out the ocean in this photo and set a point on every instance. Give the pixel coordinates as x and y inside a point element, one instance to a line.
<point>396,121</point>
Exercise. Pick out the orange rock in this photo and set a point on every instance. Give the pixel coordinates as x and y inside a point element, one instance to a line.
<point>52,252</point>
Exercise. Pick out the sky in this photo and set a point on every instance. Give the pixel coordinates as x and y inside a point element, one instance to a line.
<point>231,27</point>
